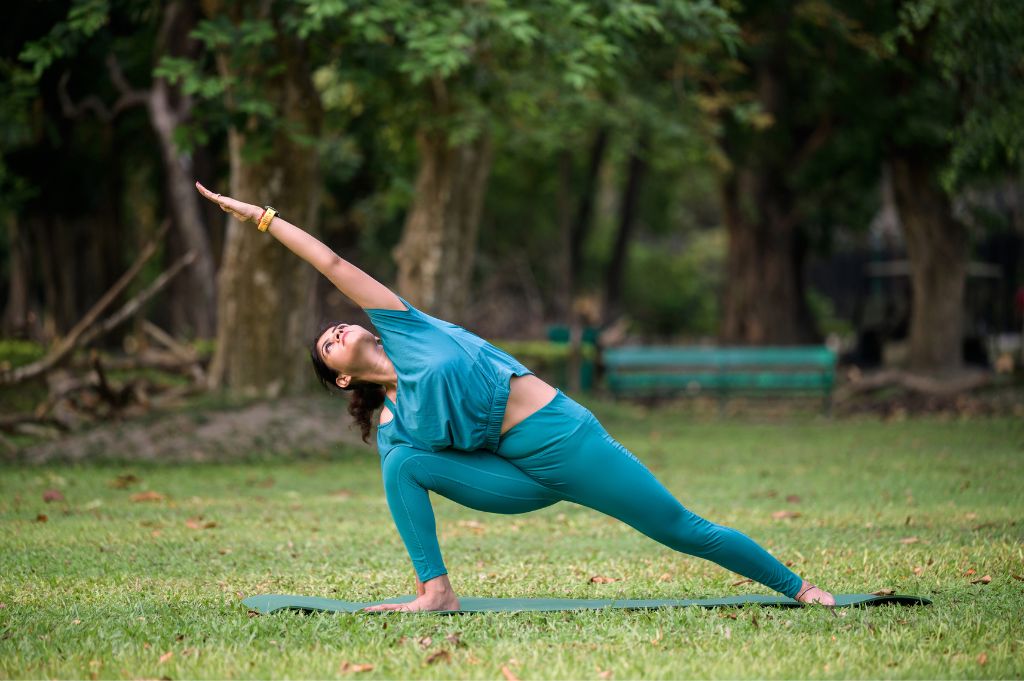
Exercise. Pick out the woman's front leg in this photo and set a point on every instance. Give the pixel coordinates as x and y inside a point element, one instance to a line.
<point>479,480</point>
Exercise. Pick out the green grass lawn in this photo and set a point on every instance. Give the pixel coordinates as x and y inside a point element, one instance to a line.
<point>108,587</point>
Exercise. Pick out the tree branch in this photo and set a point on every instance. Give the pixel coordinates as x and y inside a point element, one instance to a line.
<point>129,96</point>
<point>133,305</point>
<point>64,347</point>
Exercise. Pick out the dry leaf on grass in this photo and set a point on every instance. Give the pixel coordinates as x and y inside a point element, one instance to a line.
<point>425,641</point>
<point>52,495</point>
<point>1018,577</point>
<point>439,656</point>
<point>783,515</point>
<point>883,592</point>
<point>606,674</point>
<point>665,577</point>
<point>918,570</point>
<point>601,579</point>
<point>474,525</point>
<point>124,480</point>
<point>969,572</point>
<point>166,656</point>
<point>349,668</point>
<point>148,495</point>
<point>742,582</point>
<point>793,499</point>
<point>509,676</point>
<point>983,659</point>
<point>982,580</point>
<point>197,523</point>
<point>42,518</point>
<point>455,639</point>
<point>909,540</point>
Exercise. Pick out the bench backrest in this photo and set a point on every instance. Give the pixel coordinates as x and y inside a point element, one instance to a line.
<point>650,370</point>
<point>668,357</point>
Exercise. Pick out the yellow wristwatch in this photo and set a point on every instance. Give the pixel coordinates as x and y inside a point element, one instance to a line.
<point>268,216</point>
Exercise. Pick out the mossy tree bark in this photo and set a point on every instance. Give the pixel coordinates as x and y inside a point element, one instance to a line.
<point>436,254</point>
<point>265,293</point>
<point>937,247</point>
<point>764,298</point>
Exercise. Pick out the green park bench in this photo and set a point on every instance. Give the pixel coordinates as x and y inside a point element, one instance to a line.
<point>655,371</point>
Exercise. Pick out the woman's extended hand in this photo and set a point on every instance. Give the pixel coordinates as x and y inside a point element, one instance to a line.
<point>246,212</point>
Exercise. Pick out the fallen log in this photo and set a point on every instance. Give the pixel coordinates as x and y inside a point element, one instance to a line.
<point>930,385</point>
<point>145,359</point>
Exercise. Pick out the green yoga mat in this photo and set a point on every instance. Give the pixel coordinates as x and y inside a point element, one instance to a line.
<point>269,603</point>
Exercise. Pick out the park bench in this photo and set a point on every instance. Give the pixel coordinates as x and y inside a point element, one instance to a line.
<point>657,371</point>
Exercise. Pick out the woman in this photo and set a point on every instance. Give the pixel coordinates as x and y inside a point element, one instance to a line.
<point>461,418</point>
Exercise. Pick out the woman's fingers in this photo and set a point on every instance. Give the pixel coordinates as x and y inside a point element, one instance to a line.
<point>227,204</point>
<point>384,606</point>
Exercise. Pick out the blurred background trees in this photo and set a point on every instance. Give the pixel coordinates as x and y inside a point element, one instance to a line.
<point>758,172</point>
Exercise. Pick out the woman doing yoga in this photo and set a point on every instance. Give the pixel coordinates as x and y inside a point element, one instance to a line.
<point>463,419</point>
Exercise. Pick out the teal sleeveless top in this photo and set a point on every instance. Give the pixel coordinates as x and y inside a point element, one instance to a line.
<point>452,384</point>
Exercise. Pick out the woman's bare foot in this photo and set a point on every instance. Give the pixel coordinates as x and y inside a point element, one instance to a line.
<point>434,594</point>
<point>810,593</point>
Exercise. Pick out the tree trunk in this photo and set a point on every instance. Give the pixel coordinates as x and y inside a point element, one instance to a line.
<point>15,320</point>
<point>436,254</point>
<point>563,264</point>
<point>764,298</point>
<point>266,294</point>
<point>588,195</point>
<point>937,247</point>
<point>167,110</point>
<point>764,301</point>
<point>627,219</point>
<point>59,268</point>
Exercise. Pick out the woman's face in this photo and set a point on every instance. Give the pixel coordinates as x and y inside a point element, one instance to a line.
<point>348,349</point>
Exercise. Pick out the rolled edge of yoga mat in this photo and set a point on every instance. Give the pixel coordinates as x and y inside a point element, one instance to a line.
<point>268,603</point>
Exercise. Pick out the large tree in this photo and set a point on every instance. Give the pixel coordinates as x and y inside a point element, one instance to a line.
<point>467,77</point>
<point>782,106</point>
<point>954,72</point>
<point>128,40</point>
<point>263,84</point>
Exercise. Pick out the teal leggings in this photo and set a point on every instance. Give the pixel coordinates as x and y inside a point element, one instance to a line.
<point>560,453</point>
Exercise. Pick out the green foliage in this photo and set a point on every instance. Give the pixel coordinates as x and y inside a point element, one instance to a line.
<point>669,293</point>
<point>84,19</point>
<point>966,59</point>
<point>824,313</point>
<point>542,352</point>
<point>16,353</point>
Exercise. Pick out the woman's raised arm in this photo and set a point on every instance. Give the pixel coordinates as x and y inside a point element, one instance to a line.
<point>360,287</point>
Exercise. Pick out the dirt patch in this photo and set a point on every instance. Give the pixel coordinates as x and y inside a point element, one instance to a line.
<point>300,425</point>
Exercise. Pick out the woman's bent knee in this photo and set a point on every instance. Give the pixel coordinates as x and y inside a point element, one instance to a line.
<point>400,466</point>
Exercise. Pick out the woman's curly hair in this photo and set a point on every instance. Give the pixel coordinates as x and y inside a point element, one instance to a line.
<point>365,399</point>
